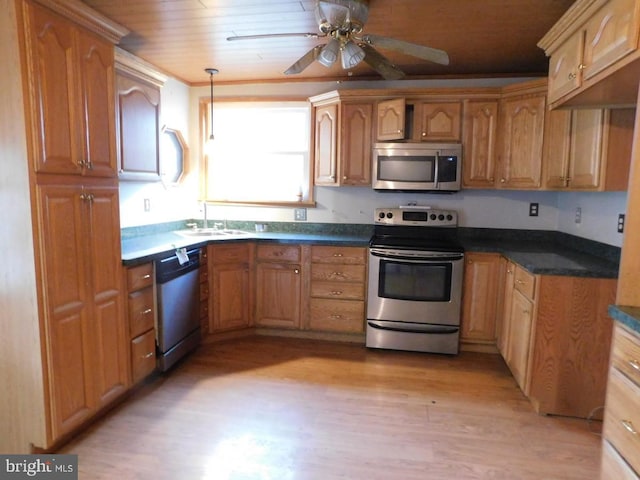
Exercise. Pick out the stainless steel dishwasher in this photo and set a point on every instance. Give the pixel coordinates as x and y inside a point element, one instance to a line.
<point>178,294</point>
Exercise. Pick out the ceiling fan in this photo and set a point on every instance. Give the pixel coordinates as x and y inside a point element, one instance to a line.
<point>342,21</point>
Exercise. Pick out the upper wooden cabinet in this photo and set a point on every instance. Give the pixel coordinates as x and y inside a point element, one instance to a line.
<point>390,119</point>
<point>479,144</point>
<point>588,149</point>
<point>593,50</point>
<point>439,122</point>
<point>138,118</point>
<point>521,126</point>
<point>342,145</point>
<point>72,96</point>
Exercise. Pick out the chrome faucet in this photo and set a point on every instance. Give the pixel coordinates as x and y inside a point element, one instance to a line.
<point>205,220</point>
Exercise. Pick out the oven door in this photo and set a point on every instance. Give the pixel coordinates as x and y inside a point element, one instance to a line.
<point>415,286</point>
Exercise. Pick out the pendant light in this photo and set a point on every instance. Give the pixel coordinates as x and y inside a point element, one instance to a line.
<point>211,72</point>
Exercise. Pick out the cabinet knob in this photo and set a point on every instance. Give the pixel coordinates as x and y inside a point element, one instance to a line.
<point>296,270</point>
<point>629,427</point>
<point>502,180</point>
<point>424,134</point>
<point>582,66</point>
<point>572,76</point>
<point>469,262</point>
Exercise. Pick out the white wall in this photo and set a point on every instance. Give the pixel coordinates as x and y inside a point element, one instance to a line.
<point>477,208</point>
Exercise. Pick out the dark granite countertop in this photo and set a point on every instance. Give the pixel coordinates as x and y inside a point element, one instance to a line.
<point>539,252</point>
<point>628,316</point>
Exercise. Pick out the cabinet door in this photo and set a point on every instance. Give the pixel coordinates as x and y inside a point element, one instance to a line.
<point>585,155</point>
<point>230,296</point>
<point>522,125</point>
<point>610,34</point>
<point>278,295</point>
<point>519,337</point>
<point>138,129</point>
<point>480,297</point>
<point>390,119</point>
<point>557,140</point>
<point>440,122</point>
<point>326,145</point>
<point>479,143</point>
<point>565,73</point>
<point>98,102</point>
<point>355,144</point>
<point>54,94</point>
<point>66,311</point>
<point>109,357</point>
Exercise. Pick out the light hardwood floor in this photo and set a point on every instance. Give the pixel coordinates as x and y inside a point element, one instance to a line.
<point>282,409</point>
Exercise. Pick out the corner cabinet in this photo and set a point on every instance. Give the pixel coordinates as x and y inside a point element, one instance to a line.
<point>342,145</point>
<point>137,118</point>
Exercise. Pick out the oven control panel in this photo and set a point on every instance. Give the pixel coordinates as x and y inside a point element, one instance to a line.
<point>416,216</point>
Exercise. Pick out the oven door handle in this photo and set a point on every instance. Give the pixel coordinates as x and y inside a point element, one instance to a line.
<point>418,257</point>
<point>415,328</point>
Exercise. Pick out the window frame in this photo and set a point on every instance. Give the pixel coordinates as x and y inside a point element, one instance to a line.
<point>205,131</point>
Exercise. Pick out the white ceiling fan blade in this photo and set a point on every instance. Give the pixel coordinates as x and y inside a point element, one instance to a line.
<point>304,61</point>
<point>420,51</point>
<point>380,63</point>
<point>275,35</point>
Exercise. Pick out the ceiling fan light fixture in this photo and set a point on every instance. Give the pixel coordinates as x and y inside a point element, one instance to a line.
<point>352,54</point>
<point>329,54</point>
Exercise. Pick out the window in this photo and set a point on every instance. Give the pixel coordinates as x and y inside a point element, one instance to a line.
<point>260,153</point>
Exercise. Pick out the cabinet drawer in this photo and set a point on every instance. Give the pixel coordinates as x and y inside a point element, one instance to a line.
<point>335,254</point>
<point>525,282</point>
<point>141,311</point>
<point>279,253</point>
<point>143,355</point>
<point>234,253</point>
<point>625,355</point>
<point>338,273</point>
<point>337,290</point>
<point>613,465</point>
<point>622,418</point>
<point>139,277</point>
<point>336,316</point>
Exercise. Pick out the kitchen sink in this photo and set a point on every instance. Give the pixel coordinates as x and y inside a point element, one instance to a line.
<point>209,232</point>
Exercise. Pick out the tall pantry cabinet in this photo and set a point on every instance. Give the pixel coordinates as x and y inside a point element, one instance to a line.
<point>68,164</point>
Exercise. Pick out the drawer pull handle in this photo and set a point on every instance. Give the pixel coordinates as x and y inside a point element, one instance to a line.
<point>147,311</point>
<point>634,364</point>
<point>147,276</point>
<point>629,427</point>
<point>519,282</point>
<point>336,316</point>
<point>148,355</point>
<point>336,292</point>
<point>337,254</point>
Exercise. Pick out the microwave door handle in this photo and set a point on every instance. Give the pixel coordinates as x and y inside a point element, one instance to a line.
<point>435,172</point>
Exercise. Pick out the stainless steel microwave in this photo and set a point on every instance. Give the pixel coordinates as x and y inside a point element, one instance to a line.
<point>417,167</point>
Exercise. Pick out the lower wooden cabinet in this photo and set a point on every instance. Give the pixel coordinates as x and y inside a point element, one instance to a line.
<point>481,297</point>
<point>278,285</point>
<point>141,314</point>
<point>338,286</point>
<point>231,282</point>
<point>621,440</point>
<point>555,339</point>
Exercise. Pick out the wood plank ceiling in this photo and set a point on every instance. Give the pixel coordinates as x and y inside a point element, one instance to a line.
<point>183,37</point>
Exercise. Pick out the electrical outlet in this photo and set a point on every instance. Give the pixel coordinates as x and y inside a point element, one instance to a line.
<point>147,205</point>
<point>300,214</point>
<point>533,209</point>
<point>578,215</point>
<point>621,223</point>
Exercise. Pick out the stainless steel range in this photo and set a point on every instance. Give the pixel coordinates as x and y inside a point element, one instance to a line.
<point>415,280</point>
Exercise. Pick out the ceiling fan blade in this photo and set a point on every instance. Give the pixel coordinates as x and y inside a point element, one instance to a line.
<point>420,51</point>
<point>276,35</point>
<point>380,63</point>
<point>304,61</point>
